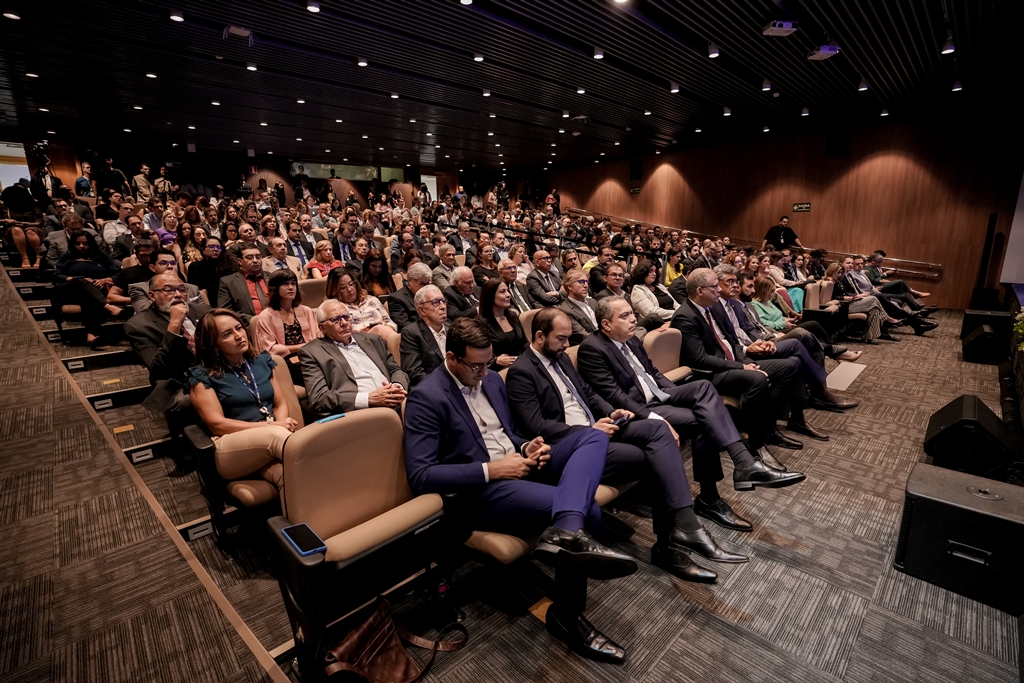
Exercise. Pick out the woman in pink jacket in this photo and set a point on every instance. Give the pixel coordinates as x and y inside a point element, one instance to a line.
<point>285,325</point>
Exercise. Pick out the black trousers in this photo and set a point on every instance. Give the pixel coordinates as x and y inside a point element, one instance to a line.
<point>92,299</point>
<point>644,449</point>
<point>763,400</point>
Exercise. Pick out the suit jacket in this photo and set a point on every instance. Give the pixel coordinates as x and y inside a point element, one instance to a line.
<point>305,246</point>
<point>699,350</point>
<point>597,277</point>
<point>678,289</point>
<point>336,246</point>
<point>167,355</point>
<point>418,350</point>
<point>537,403</point>
<point>581,325</point>
<point>233,293</point>
<point>539,291</point>
<point>458,305</point>
<point>138,292</point>
<point>330,385</point>
<point>743,313</point>
<point>444,450</point>
<point>401,308</point>
<point>441,277</point>
<point>523,292</point>
<point>294,265</point>
<point>603,366</point>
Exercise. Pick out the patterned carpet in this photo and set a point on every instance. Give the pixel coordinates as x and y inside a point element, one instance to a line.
<point>92,589</point>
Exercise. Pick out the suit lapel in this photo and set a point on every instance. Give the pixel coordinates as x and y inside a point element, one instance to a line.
<point>243,294</point>
<point>372,354</point>
<point>499,405</point>
<point>613,351</point>
<point>335,352</point>
<point>458,402</point>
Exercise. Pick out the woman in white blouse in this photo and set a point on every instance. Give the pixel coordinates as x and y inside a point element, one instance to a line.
<point>648,295</point>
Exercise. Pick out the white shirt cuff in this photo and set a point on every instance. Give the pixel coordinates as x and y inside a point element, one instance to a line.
<point>363,399</point>
<point>487,476</point>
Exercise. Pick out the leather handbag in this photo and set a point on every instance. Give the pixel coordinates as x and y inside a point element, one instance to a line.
<point>374,651</point>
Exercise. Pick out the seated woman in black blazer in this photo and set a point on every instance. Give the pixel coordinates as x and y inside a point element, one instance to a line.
<point>508,339</point>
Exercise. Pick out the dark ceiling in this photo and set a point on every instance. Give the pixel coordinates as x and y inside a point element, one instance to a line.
<point>91,60</point>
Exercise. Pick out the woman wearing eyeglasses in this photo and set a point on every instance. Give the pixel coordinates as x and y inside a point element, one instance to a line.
<point>215,264</point>
<point>368,313</point>
<point>508,339</point>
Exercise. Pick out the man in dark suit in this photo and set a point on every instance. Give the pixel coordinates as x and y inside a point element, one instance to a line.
<point>459,439</point>
<point>542,283</point>
<point>245,292</point>
<point>44,184</point>
<point>298,247</point>
<point>709,344</point>
<point>401,305</point>
<point>463,296</point>
<point>600,269</point>
<point>613,361</point>
<point>423,338</point>
<point>521,301</point>
<point>549,398</point>
<point>462,240</point>
<point>247,236</point>
<point>578,306</point>
<point>678,289</point>
<point>345,370</point>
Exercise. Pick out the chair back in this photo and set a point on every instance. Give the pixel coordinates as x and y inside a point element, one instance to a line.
<point>342,473</point>
<point>254,339</point>
<point>284,380</point>
<point>503,374</point>
<point>825,292</point>
<point>526,320</point>
<point>811,300</point>
<point>399,280</point>
<point>129,261</point>
<point>382,244</point>
<point>322,234</point>
<point>460,259</point>
<point>394,343</point>
<point>313,291</point>
<point>663,348</point>
<point>204,296</point>
<point>572,352</point>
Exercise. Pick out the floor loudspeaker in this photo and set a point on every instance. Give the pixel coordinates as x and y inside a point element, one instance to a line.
<point>985,347</point>
<point>966,435</point>
<point>965,534</point>
<point>999,321</point>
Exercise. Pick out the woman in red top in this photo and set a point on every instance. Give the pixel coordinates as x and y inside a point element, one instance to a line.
<point>323,260</point>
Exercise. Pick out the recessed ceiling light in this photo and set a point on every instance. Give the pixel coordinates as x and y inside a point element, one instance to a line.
<point>487,93</point>
<point>250,67</point>
<point>490,133</point>
<point>580,91</point>
<point>478,57</point>
<point>408,165</point>
<point>313,7</point>
<point>554,145</point>
<point>429,135</point>
<point>327,151</point>
<point>673,87</point>
<point>501,155</point>
<point>235,141</point>
<point>957,87</point>
<point>269,152</point>
<point>885,112</point>
<point>127,130</point>
<point>51,132</point>
<point>447,156</point>
<point>394,96</point>
<point>301,101</point>
<point>696,130</point>
<point>361,61</point>
<point>598,53</point>
<point>493,115</point>
<point>657,151</point>
<point>602,153</point>
<point>726,111</point>
<point>497,144</point>
<point>345,159</point>
<point>32,75</point>
<point>766,86</point>
<point>338,121</point>
<point>381,148</point>
<point>150,75</point>
<point>12,15</point>
<point>177,16</point>
<point>298,139</point>
<point>549,161</point>
<point>215,103</point>
<point>863,85</point>
<point>437,146</point>
<point>948,47</point>
<point>137,108</point>
<point>466,2</point>
<point>561,130</point>
<point>713,50</point>
<point>412,120</point>
<point>263,123</point>
<point>366,137</point>
<point>552,154</point>
<point>765,129</point>
<point>565,113</point>
<point>647,112</point>
<point>596,161</point>
<point>43,109</point>
<point>460,170</point>
<point>191,127</point>
<point>805,112</point>
<point>616,143</point>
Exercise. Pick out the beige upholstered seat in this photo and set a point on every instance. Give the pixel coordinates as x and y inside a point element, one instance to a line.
<point>346,480</point>
<point>252,492</point>
<point>399,281</point>
<point>284,380</point>
<point>663,348</point>
<point>573,352</point>
<point>460,259</point>
<point>811,292</point>
<point>71,309</point>
<point>394,343</point>
<point>526,320</point>
<point>313,291</point>
<point>321,234</point>
<point>382,242</point>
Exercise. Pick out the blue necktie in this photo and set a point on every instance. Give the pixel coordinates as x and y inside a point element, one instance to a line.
<point>579,399</point>
<point>300,252</point>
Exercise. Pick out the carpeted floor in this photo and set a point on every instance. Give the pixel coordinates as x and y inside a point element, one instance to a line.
<point>92,589</point>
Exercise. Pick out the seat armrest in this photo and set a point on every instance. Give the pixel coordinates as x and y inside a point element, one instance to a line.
<point>290,557</point>
<point>199,440</point>
<point>679,374</point>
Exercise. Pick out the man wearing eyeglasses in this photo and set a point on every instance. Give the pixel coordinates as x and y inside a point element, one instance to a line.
<point>578,306</point>
<point>542,283</point>
<point>463,295</point>
<point>154,220</point>
<point>401,305</point>
<point>345,370</point>
<point>425,336</point>
<point>163,261</point>
<point>509,272</point>
<point>163,336</point>
<point>459,439</point>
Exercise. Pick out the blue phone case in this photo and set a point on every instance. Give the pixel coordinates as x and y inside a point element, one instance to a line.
<point>300,551</point>
<point>330,418</point>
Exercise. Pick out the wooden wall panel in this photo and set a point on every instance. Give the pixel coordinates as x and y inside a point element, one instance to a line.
<point>918,193</point>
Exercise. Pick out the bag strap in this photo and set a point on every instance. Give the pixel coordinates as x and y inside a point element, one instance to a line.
<point>438,645</point>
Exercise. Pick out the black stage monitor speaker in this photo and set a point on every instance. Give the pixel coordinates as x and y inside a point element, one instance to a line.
<point>966,435</point>
<point>965,534</point>
<point>986,347</point>
<point>999,321</point>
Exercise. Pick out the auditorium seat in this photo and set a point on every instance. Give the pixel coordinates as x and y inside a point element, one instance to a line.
<point>663,348</point>
<point>345,478</point>
<point>526,320</point>
<point>313,291</point>
<point>399,279</point>
<point>572,352</point>
<point>382,242</point>
<point>394,344</point>
<point>460,259</point>
<point>321,233</point>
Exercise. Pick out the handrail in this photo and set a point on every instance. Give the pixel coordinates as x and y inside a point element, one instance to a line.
<point>915,269</point>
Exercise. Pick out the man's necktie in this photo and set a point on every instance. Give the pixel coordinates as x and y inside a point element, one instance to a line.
<point>260,294</point>
<point>644,377</point>
<point>517,298</point>
<point>300,253</point>
<point>575,394</point>
<point>721,342</point>
<point>343,249</point>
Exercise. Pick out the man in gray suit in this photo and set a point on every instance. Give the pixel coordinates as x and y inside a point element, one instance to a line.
<point>442,276</point>
<point>245,292</point>
<point>579,306</point>
<point>163,261</point>
<point>346,371</point>
<point>542,283</point>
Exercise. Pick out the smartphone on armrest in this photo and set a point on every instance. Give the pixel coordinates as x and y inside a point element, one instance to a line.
<point>304,539</point>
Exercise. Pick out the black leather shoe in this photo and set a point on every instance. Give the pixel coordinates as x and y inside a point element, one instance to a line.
<point>766,456</point>
<point>580,551</point>
<point>927,311</point>
<point>721,514</point>
<point>888,337</point>
<point>805,429</point>
<point>678,563</point>
<point>777,438</point>
<point>829,401</point>
<point>760,475</point>
<point>700,542</point>
<point>584,639</point>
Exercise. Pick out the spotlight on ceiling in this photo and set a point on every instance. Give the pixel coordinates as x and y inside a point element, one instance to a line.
<point>565,113</point>
<point>394,96</point>
<point>214,103</point>
<point>673,87</point>
<point>493,116</point>
<point>263,123</point>
<point>32,75</point>
<point>250,67</point>
<point>137,108</point>
<point>298,139</point>
<point>466,2</point>
<point>617,143</point>
<point>561,130</point>
<point>647,112</point>
<point>766,86</point>
<point>235,141</point>
<point>177,16</point>
<point>127,130</point>
<point>412,120</point>
<point>43,109</point>
<point>957,87</point>
<point>885,112</point>
<point>580,91</point>
<point>598,53</point>
<point>12,15</point>
<point>765,129</point>
<point>313,7</point>
<point>948,47</point>
<point>713,50</point>
<point>361,61</point>
<point>478,57</point>
<point>487,93</point>
<point>696,130</point>
<point>863,85</point>
<point>150,75</point>
<point>726,111</point>
<point>301,101</point>
<point>805,112</point>
<point>490,133</point>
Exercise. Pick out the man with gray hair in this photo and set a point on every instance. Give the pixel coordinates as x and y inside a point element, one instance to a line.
<point>424,339</point>
<point>442,275</point>
<point>346,370</point>
<point>462,241</point>
<point>401,306</point>
<point>463,295</point>
<point>508,271</point>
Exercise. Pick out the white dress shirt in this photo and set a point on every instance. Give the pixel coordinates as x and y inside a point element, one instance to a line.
<point>714,323</point>
<point>495,439</point>
<point>740,334</point>
<point>648,394</point>
<point>574,413</point>
<point>367,375</point>
<point>585,307</point>
<point>441,338</point>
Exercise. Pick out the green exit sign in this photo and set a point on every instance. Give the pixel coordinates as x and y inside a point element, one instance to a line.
<point>802,207</point>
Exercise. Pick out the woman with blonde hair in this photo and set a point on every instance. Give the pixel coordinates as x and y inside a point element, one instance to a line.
<point>323,261</point>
